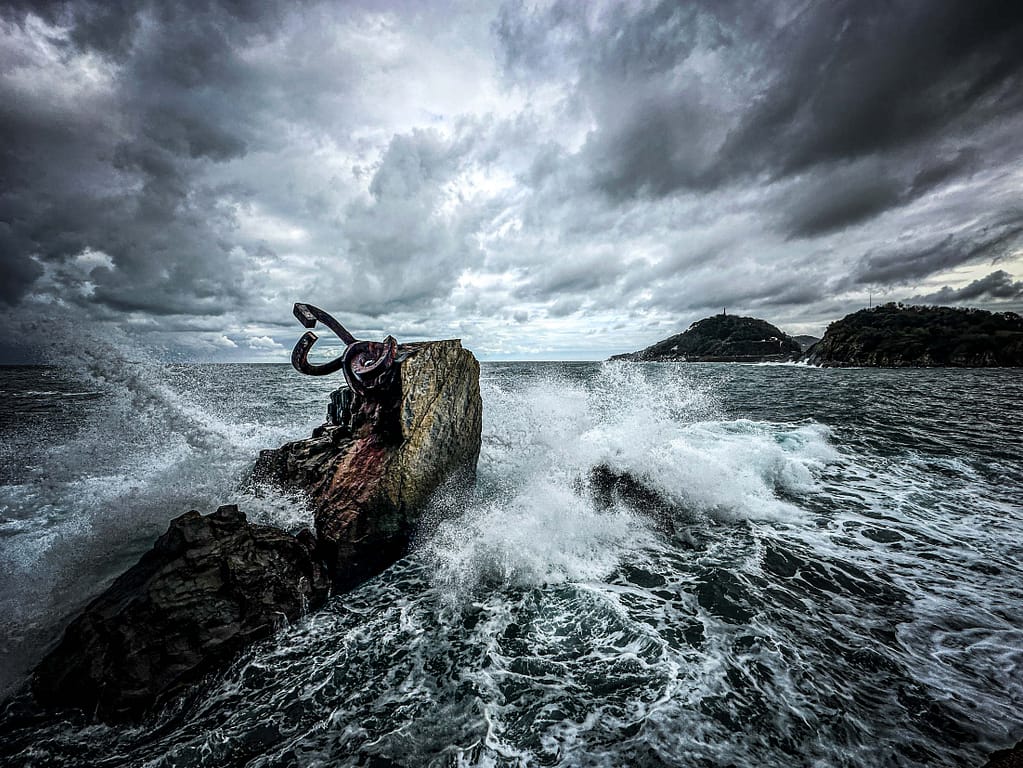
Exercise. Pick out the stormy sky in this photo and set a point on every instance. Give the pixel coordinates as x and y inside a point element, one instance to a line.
<point>544,180</point>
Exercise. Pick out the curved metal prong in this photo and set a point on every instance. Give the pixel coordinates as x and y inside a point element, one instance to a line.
<point>307,314</point>
<point>369,366</point>
<point>300,357</point>
<point>304,316</point>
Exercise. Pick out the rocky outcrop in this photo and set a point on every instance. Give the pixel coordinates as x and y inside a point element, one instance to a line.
<point>608,486</point>
<point>213,584</point>
<point>722,339</point>
<point>1006,758</point>
<point>210,586</point>
<point>896,336</point>
<point>367,485</point>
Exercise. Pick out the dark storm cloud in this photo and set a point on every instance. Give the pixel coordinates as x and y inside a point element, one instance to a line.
<point>855,192</point>
<point>997,285</point>
<point>453,169</point>
<point>828,204</point>
<point>859,78</point>
<point>116,171</point>
<point>655,133</point>
<point>993,239</point>
<point>809,85</point>
<point>19,271</point>
<point>106,27</point>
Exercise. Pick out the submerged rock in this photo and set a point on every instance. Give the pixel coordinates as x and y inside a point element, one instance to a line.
<point>368,484</point>
<point>210,586</point>
<point>608,486</point>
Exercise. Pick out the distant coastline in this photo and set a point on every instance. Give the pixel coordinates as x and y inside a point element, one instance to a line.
<point>888,336</point>
<point>897,336</point>
<point>722,338</point>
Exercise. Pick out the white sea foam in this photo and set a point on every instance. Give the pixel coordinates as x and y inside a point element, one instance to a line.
<point>541,440</point>
<point>127,460</point>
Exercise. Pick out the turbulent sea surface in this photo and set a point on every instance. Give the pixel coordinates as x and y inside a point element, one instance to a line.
<point>838,582</point>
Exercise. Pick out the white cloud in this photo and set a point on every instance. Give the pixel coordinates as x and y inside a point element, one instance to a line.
<point>263,343</point>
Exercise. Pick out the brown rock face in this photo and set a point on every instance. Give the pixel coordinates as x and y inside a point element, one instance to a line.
<point>210,586</point>
<point>368,487</point>
<point>213,584</point>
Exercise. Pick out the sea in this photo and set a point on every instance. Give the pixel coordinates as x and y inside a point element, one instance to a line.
<point>834,577</point>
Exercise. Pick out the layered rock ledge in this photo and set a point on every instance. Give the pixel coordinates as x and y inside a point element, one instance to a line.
<point>209,586</point>
<point>213,584</point>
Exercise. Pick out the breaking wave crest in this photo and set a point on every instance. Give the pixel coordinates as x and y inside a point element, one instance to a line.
<point>104,452</point>
<point>536,523</point>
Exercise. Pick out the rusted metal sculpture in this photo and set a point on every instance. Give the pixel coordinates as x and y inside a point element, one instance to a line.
<point>368,366</point>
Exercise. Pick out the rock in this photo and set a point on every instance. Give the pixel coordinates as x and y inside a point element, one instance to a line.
<point>368,486</point>
<point>1006,758</point>
<point>608,485</point>
<point>210,586</point>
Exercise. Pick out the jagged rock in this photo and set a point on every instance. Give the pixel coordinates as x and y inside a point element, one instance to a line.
<point>368,486</point>
<point>608,485</point>
<point>210,586</point>
<point>1006,758</point>
<point>213,584</point>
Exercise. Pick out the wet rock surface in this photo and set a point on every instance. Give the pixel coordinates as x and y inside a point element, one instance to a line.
<point>1007,758</point>
<point>367,485</point>
<point>210,586</point>
<point>213,584</point>
<point>608,486</point>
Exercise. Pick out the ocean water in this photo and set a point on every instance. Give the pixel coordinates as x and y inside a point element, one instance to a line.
<point>835,578</point>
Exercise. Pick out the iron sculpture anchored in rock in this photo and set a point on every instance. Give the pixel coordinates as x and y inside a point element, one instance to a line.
<point>413,421</point>
<point>408,419</point>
